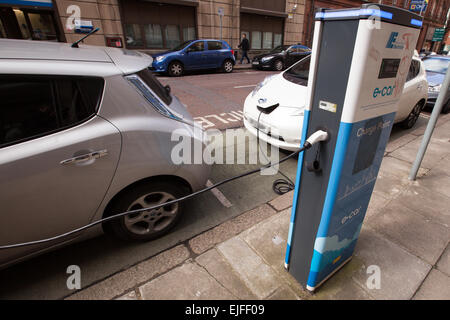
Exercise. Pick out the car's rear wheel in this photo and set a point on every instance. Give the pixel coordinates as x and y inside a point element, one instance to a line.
<point>227,66</point>
<point>411,120</point>
<point>176,69</point>
<point>278,65</point>
<point>148,224</point>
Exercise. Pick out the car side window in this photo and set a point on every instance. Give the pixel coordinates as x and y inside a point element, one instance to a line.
<point>198,46</point>
<point>214,45</point>
<point>35,106</point>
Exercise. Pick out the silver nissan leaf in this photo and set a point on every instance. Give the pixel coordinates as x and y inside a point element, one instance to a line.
<point>86,133</point>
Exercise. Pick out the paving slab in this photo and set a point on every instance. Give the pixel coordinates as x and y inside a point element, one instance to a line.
<point>435,152</point>
<point>443,264</point>
<point>399,168</point>
<point>390,186</point>
<point>283,202</point>
<point>401,272</point>
<point>186,282</point>
<point>434,181</point>
<point>257,275</point>
<point>341,286</point>
<point>216,265</point>
<point>430,204</point>
<point>229,229</point>
<point>284,293</point>
<point>435,287</point>
<point>130,278</point>
<point>399,142</point>
<point>377,202</point>
<point>419,235</point>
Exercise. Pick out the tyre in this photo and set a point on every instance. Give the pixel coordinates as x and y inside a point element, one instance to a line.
<point>278,65</point>
<point>147,225</point>
<point>175,69</point>
<point>411,120</point>
<point>446,107</point>
<point>227,66</point>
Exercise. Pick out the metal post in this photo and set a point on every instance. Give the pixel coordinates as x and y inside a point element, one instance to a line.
<point>220,27</point>
<point>430,127</point>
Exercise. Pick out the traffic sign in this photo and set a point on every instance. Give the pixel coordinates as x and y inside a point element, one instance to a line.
<point>438,34</point>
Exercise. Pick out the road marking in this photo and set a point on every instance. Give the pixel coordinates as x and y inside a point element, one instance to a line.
<point>233,116</point>
<point>247,86</point>
<point>425,116</point>
<point>219,195</point>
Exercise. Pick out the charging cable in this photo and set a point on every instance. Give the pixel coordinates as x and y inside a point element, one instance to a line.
<point>279,186</point>
<point>313,139</point>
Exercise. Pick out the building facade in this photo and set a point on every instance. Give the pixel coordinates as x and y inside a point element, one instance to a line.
<point>158,25</point>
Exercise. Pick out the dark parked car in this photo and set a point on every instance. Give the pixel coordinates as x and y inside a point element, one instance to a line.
<point>436,67</point>
<point>281,57</point>
<point>195,55</point>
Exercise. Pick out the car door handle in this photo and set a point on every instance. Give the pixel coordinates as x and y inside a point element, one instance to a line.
<point>85,157</point>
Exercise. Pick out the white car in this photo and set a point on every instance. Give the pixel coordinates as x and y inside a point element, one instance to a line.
<point>287,91</point>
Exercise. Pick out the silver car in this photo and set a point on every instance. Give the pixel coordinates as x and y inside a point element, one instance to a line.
<point>85,133</point>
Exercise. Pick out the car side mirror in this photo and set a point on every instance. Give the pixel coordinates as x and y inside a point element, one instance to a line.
<point>168,89</point>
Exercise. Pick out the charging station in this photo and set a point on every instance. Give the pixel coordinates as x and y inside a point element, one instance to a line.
<point>359,64</point>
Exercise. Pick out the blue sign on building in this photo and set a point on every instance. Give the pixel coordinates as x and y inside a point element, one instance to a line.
<point>416,5</point>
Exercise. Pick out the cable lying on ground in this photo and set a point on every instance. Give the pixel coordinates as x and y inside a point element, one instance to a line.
<point>312,140</point>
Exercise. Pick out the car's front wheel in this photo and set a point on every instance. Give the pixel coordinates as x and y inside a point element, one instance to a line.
<point>411,120</point>
<point>147,224</point>
<point>176,69</point>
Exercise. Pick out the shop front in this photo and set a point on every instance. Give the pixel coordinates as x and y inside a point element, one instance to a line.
<point>29,20</point>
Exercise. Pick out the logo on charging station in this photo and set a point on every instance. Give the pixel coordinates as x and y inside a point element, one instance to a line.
<point>386,91</point>
<point>393,43</point>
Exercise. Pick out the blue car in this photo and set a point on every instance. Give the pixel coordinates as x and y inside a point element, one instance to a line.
<point>436,67</point>
<point>195,55</point>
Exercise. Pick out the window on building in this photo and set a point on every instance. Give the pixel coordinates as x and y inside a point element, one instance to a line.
<point>153,36</point>
<point>256,40</point>
<point>267,40</point>
<point>277,39</point>
<point>133,36</point>
<point>43,27</point>
<point>189,33</point>
<point>172,34</point>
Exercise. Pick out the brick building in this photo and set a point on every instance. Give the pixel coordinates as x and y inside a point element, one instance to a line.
<point>157,25</point>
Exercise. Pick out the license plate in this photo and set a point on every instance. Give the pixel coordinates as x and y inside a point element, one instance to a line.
<point>255,63</point>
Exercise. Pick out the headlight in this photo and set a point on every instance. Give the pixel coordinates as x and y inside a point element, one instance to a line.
<point>262,84</point>
<point>436,88</point>
<point>160,58</point>
<point>266,59</point>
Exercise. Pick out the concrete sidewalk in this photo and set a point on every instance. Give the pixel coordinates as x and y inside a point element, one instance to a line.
<point>406,234</point>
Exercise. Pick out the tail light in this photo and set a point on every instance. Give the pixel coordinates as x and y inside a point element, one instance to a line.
<point>232,52</point>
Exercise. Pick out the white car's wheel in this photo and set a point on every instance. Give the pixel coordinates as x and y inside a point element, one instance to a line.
<point>411,120</point>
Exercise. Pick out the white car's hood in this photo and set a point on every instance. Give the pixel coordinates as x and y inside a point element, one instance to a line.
<point>286,93</point>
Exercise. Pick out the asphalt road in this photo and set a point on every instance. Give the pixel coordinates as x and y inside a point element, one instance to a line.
<point>211,96</point>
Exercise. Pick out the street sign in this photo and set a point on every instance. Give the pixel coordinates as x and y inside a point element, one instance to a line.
<point>438,34</point>
<point>221,12</point>
<point>416,5</point>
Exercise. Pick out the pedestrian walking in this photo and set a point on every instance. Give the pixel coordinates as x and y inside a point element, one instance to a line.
<point>244,46</point>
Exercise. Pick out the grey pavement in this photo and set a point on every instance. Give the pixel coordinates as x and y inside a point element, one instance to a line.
<point>406,235</point>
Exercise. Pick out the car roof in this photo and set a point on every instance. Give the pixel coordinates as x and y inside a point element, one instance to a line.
<point>436,56</point>
<point>42,57</point>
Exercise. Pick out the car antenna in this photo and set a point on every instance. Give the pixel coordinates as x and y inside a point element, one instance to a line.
<point>75,44</point>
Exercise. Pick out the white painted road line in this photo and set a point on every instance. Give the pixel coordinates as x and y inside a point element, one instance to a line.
<point>426,116</point>
<point>219,195</point>
<point>247,86</point>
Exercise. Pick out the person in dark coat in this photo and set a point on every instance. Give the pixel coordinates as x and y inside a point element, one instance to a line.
<point>244,46</point>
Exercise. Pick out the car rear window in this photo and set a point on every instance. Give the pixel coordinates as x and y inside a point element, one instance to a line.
<point>299,72</point>
<point>156,86</point>
<point>214,45</point>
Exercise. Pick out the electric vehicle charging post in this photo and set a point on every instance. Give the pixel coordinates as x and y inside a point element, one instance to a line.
<point>359,64</point>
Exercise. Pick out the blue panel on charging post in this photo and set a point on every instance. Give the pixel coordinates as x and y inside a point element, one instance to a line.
<point>355,101</point>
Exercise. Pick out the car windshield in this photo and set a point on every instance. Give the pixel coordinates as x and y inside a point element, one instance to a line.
<point>279,49</point>
<point>299,72</point>
<point>182,46</point>
<point>436,65</point>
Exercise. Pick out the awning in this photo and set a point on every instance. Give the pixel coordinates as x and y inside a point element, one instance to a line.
<point>264,12</point>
